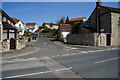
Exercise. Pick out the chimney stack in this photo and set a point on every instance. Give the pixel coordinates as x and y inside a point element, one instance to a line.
<point>98,3</point>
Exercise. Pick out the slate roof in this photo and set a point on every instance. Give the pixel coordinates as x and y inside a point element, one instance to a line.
<point>112,9</point>
<point>7,26</point>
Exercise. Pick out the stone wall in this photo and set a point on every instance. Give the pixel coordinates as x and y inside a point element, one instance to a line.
<point>83,39</point>
<point>20,44</point>
<point>6,45</point>
<point>115,28</point>
<point>91,39</point>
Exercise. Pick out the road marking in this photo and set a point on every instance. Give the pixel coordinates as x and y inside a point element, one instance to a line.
<point>55,56</point>
<point>106,60</point>
<point>74,48</point>
<point>36,50</point>
<point>50,45</point>
<point>27,74</point>
<point>37,73</point>
<point>65,54</point>
<point>45,43</point>
<point>64,69</point>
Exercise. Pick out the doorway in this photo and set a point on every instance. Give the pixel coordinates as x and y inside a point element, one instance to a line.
<point>108,40</point>
<point>12,43</point>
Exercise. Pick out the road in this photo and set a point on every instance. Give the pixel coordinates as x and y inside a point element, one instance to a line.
<point>52,59</point>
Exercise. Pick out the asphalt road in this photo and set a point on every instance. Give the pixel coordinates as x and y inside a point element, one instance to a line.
<point>57,60</point>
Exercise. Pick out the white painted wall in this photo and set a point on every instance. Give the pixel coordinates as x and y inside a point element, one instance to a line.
<point>36,27</point>
<point>64,34</point>
<point>20,25</point>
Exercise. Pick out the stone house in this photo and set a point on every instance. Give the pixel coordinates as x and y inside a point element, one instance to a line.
<point>105,22</point>
<point>63,31</point>
<point>31,27</point>
<point>19,25</point>
<point>8,27</point>
<point>9,39</point>
<point>103,26</point>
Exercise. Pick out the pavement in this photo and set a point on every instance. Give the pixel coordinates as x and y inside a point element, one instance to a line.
<point>29,49</point>
<point>47,58</point>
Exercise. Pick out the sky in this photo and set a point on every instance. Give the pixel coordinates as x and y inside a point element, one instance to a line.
<point>40,12</point>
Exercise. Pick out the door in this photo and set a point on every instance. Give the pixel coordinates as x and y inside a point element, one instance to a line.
<point>108,42</point>
<point>12,43</point>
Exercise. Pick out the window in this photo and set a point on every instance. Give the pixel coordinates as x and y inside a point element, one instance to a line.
<point>19,25</point>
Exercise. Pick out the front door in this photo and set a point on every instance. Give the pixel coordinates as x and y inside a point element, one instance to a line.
<point>12,43</point>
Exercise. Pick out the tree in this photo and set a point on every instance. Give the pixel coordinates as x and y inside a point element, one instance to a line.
<point>67,20</point>
<point>61,21</point>
<point>75,27</point>
<point>46,29</point>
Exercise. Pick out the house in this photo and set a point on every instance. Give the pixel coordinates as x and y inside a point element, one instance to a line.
<point>8,32</point>
<point>63,31</point>
<point>8,27</point>
<point>38,31</point>
<point>101,28</point>
<point>51,26</point>
<point>31,27</point>
<point>105,21</point>
<point>73,20</point>
<point>19,25</point>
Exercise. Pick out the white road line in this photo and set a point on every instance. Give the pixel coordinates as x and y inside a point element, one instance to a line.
<point>55,56</point>
<point>45,43</point>
<point>106,60</point>
<point>50,45</point>
<point>74,48</point>
<point>37,73</point>
<point>64,69</point>
<point>27,74</point>
<point>65,54</point>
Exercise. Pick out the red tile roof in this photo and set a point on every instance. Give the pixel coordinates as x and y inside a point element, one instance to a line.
<point>28,24</point>
<point>16,20</point>
<point>31,28</point>
<point>38,30</point>
<point>65,26</point>
<point>76,19</point>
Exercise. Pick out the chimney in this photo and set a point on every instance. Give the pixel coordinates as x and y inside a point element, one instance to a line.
<point>98,3</point>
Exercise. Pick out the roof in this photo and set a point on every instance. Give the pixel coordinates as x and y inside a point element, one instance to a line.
<point>76,19</point>
<point>38,30</point>
<point>31,28</point>
<point>28,24</point>
<point>112,9</point>
<point>16,20</point>
<point>7,26</point>
<point>5,15</point>
<point>65,26</point>
<point>47,23</point>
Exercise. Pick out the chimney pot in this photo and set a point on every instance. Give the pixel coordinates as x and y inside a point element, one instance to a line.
<point>98,3</point>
